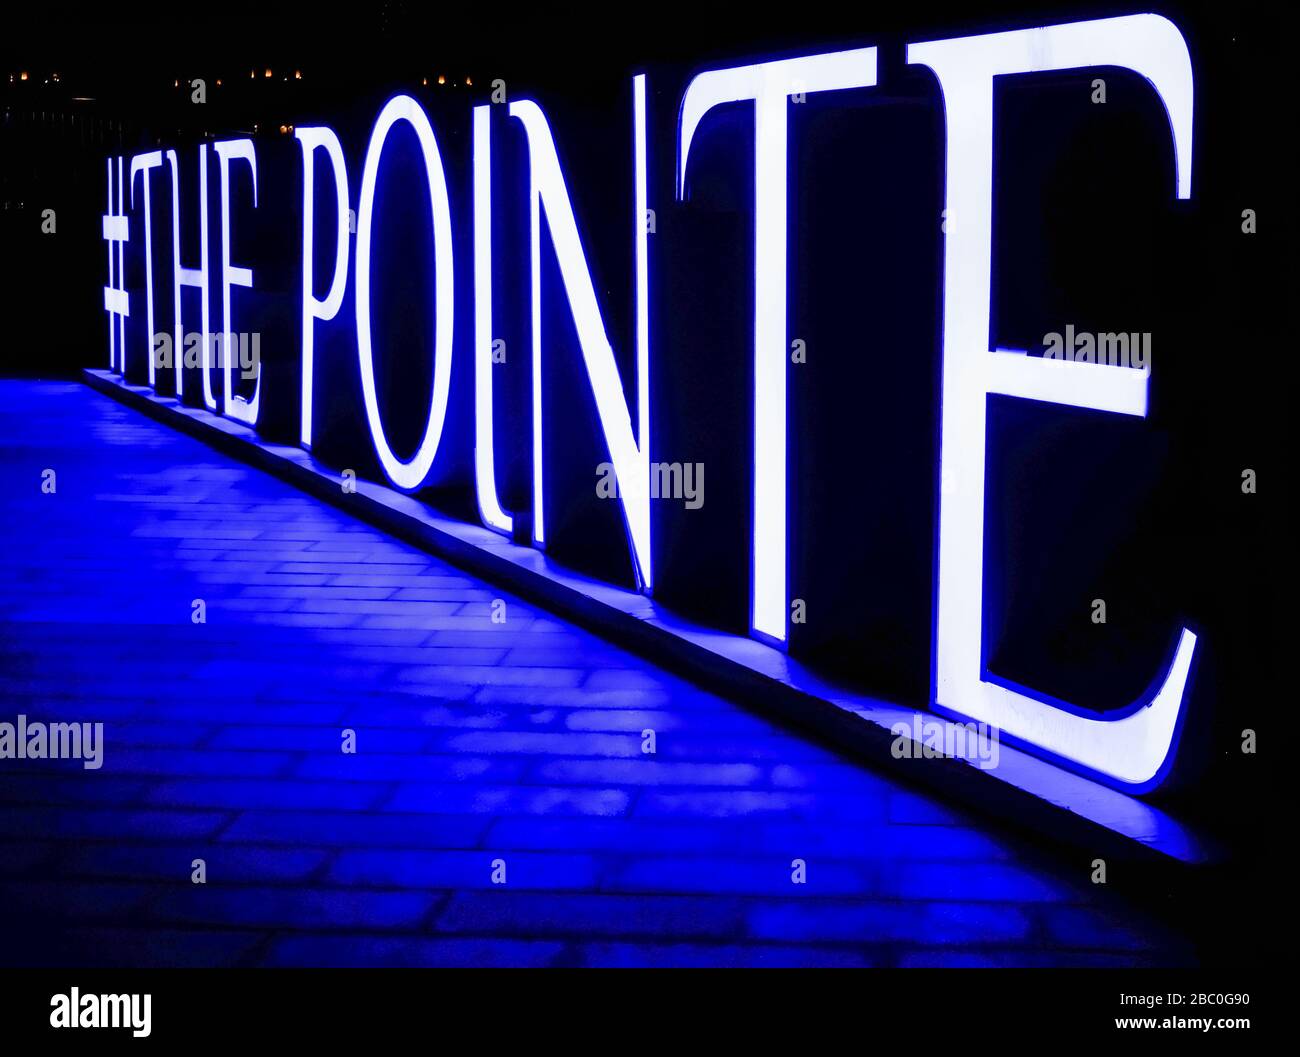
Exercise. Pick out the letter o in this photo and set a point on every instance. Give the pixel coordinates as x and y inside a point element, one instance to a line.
<point>407,475</point>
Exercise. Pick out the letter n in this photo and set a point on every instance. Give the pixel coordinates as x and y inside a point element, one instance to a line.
<point>630,454</point>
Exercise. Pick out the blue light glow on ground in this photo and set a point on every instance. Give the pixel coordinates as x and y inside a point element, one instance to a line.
<point>476,741</point>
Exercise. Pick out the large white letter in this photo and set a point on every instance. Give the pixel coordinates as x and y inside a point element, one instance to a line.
<point>313,309</point>
<point>489,506</point>
<point>769,85</point>
<point>117,302</point>
<point>1132,748</point>
<point>196,277</point>
<point>142,163</point>
<point>630,455</point>
<point>231,275</point>
<point>407,475</point>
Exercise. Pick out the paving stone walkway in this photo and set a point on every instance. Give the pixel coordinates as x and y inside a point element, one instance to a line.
<point>481,748</point>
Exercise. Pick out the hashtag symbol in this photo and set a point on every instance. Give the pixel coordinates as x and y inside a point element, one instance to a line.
<point>117,303</point>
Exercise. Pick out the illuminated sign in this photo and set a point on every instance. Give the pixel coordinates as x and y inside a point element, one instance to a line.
<point>1132,748</point>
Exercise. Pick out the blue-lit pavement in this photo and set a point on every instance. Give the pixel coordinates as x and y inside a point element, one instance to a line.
<point>485,752</point>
